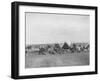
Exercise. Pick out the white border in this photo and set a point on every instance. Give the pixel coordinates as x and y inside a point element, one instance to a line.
<point>37,71</point>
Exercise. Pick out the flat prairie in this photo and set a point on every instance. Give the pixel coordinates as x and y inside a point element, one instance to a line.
<point>34,60</point>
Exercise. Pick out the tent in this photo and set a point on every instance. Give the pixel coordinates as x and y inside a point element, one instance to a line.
<point>65,46</point>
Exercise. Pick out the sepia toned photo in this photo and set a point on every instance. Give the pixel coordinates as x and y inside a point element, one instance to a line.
<point>56,40</point>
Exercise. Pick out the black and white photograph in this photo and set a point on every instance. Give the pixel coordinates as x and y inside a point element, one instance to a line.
<point>50,40</point>
<point>56,40</point>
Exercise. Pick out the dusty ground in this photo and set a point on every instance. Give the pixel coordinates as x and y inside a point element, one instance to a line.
<point>69,59</point>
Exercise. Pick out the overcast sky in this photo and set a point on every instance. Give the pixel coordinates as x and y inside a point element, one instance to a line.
<point>52,28</point>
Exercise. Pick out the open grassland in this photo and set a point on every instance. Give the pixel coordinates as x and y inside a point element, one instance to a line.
<point>70,59</point>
